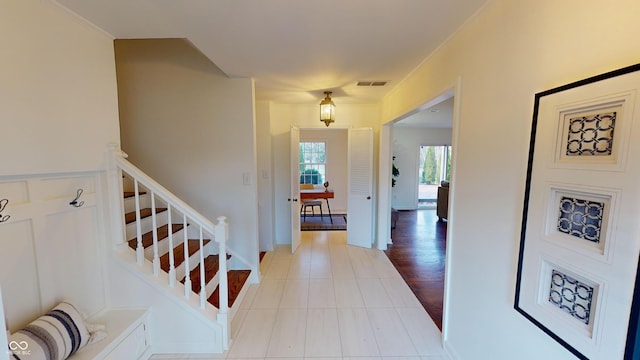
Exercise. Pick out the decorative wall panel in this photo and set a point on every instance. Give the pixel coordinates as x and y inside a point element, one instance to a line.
<point>579,242</point>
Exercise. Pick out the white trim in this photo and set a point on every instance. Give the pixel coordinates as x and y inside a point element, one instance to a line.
<point>384,192</point>
<point>4,355</point>
<point>450,350</point>
<point>449,263</point>
<point>384,187</point>
<point>80,19</point>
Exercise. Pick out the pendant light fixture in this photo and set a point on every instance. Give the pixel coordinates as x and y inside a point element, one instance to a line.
<point>327,109</point>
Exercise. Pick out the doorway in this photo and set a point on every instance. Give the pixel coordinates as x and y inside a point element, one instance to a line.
<point>322,161</point>
<point>387,195</point>
<point>340,163</point>
<point>434,167</point>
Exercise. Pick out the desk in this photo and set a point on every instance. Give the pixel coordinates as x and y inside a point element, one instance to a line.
<point>318,194</point>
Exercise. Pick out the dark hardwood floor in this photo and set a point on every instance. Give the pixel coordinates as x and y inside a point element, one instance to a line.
<point>418,253</point>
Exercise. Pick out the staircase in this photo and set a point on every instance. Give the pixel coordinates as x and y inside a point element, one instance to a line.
<point>183,248</point>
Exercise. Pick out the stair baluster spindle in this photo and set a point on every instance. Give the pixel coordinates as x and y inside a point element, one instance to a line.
<point>172,266</point>
<point>139,247</point>
<point>156,258</point>
<point>203,290</point>
<point>187,277</point>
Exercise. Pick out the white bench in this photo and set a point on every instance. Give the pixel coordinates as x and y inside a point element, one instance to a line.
<point>127,337</point>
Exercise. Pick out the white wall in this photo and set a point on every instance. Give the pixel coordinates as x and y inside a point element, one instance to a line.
<point>175,327</point>
<point>58,102</point>
<point>509,52</point>
<point>336,145</point>
<point>264,176</point>
<point>406,144</point>
<point>58,112</point>
<point>191,128</point>
<point>306,116</point>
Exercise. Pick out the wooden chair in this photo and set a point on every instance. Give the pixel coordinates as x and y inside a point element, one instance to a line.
<point>309,203</point>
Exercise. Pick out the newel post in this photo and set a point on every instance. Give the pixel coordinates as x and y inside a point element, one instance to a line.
<point>115,194</point>
<point>222,235</point>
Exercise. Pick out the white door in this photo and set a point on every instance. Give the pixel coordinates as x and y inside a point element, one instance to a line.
<point>294,194</point>
<point>360,191</point>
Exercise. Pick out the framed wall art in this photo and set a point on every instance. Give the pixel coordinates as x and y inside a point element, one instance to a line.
<point>580,236</point>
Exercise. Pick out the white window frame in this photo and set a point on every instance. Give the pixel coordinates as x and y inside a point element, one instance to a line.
<point>320,166</point>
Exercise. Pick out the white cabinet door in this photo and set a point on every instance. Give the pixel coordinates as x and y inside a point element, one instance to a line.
<point>132,347</point>
<point>360,198</point>
<point>294,194</point>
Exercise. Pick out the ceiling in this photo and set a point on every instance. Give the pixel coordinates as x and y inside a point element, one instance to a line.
<point>294,49</point>
<point>439,115</point>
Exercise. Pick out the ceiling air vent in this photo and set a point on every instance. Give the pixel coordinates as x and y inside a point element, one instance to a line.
<point>372,83</point>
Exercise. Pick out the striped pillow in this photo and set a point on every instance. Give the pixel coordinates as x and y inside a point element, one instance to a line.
<point>54,336</point>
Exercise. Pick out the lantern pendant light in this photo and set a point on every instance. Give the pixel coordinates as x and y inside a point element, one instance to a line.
<point>327,109</point>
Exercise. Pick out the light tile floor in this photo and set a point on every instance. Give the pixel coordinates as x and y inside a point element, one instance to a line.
<point>330,301</point>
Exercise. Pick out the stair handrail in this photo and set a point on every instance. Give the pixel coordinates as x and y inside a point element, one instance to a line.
<point>176,202</point>
<point>219,231</point>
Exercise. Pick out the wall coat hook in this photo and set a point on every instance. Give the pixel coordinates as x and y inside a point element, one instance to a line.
<point>75,202</point>
<point>3,205</point>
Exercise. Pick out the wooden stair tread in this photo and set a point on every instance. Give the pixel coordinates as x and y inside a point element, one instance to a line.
<point>210,270</point>
<point>146,212</point>
<point>178,253</point>
<point>147,239</point>
<point>235,281</point>
<point>235,278</point>
<point>128,194</point>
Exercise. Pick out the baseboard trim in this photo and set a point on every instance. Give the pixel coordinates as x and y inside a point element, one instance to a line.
<point>449,350</point>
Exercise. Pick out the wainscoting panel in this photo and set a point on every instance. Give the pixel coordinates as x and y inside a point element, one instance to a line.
<point>49,245</point>
<point>18,273</point>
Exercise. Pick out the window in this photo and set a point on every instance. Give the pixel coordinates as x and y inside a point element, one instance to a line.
<point>313,162</point>
<point>435,164</point>
<point>434,167</point>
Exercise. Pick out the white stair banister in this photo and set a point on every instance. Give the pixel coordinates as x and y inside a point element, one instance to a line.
<point>139,247</point>
<point>156,258</point>
<point>114,185</point>
<point>172,266</point>
<point>203,291</point>
<point>221,236</point>
<point>152,185</point>
<point>191,219</point>
<point>187,275</point>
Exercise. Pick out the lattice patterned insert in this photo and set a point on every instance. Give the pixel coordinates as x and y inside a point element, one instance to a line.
<point>591,135</point>
<point>572,296</point>
<point>581,218</point>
